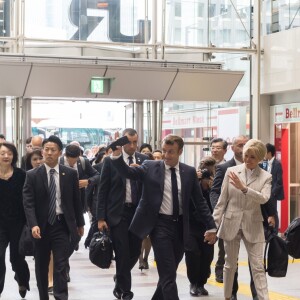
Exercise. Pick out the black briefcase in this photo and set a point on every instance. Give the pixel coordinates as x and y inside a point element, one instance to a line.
<point>101,250</point>
<point>26,243</point>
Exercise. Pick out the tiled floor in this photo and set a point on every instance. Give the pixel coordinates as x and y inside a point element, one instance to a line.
<point>91,283</point>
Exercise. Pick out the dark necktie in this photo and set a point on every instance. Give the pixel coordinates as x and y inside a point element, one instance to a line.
<point>52,203</point>
<point>174,193</point>
<point>133,185</point>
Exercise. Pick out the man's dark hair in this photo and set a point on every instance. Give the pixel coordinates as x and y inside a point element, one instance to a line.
<point>271,148</point>
<point>219,140</point>
<point>157,150</point>
<point>130,131</point>
<point>13,149</point>
<point>28,140</point>
<point>145,145</point>
<point>2,136</point>
<point>72,151</point>
<point>53,139</point>
<point>171,139</point>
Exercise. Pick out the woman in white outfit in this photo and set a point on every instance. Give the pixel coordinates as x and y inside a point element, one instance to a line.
<point>238,216</point>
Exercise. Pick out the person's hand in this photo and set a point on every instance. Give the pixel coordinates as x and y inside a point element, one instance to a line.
<point>271,221</point>
<point>102,225</point>
<point>80,230</point>
<point>236,182</point>
<point>118,151</point>
<point>83,183</point>
<point>210,237</point>
<point>134,165</point>
<point>36,232</point>
<point>199,174</point>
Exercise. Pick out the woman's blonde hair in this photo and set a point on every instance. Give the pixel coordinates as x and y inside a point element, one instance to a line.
<point>257,147</point>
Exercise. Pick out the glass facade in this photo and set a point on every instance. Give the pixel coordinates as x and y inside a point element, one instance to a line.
<point>175,30</point>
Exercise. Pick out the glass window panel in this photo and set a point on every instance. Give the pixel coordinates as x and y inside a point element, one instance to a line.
<point>119,21</point>
<point>5,14</point>
<point>177,9</point>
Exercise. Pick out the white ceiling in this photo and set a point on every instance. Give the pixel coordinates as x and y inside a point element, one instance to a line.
<point>178,82</point>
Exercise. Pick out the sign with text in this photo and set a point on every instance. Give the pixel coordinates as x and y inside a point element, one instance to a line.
<point>287,113</point>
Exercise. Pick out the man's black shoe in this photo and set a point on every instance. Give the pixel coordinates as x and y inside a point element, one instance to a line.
<point>233,297</point>
<point>22,291</point>
<point>127,296</point>
<point>193,289</point>
<point>219,278</point>
<point>202,291</point>
<point>117,293</point>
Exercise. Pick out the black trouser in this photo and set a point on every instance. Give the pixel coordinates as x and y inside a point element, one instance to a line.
<point>10,234</point>
<point>55,238</point>
<point>167,243</point>
<point>127,248</point>
<point>199,256</point>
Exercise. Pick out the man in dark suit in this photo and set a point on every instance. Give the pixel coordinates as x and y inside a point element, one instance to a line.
<point>86,173</point>
<point>53,211</point>
<point>274,167</point>
<point>163,211</point>
<point>117,202</point>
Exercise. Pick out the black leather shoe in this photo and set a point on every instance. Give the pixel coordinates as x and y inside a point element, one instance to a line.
<point>22,291</point>
<point>233,297</point>
<point>202,291</point>
<point>193,289</point>
<point>146,265</point>
<point>142,266</point>
<point>219,278</point>
<point>117,293</point>
<point>127,296</point>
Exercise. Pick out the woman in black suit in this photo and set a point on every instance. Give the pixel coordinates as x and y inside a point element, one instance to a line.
<point>12,217</point>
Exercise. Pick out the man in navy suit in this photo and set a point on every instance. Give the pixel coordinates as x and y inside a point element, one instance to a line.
<point>274,167</point>
<point>53,212</point>
<point>117,202</point>
<point>163,211</point>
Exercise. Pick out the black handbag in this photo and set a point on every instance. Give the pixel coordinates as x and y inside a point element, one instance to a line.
<point>101,250</point>
<point>26,242</point>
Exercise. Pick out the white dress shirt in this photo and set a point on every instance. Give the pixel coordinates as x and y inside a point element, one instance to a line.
<point>128,186</point>
<point>166,207</point>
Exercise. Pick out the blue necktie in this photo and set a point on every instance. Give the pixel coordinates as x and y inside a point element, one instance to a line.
<point>133,185</point>
<point>174,194</point>
<point>52,203</point>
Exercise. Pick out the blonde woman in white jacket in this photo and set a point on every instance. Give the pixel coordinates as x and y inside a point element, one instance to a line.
<point>238,216</point>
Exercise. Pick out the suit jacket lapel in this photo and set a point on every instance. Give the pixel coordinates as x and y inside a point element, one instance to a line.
<point>44,176</point>
<point>182,179</point>
<point>61,180</point>
<point>254,175</point>
<point>242,173</point>
<point>162,176</point>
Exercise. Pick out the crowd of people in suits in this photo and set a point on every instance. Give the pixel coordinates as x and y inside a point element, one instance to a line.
<point>146,198</point>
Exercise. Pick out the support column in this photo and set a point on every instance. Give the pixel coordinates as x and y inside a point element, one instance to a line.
<point>154,121</point>
<point>3,116</point>
<point>17,124</point>
<point>159,123</point>
<point>256,115</point>
<point>26,121</point>
<point>139,120</point>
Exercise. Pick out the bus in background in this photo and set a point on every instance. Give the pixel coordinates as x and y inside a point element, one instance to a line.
<point>87,137</point>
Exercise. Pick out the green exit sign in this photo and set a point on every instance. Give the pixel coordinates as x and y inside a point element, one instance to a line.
<point>100,85</point>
